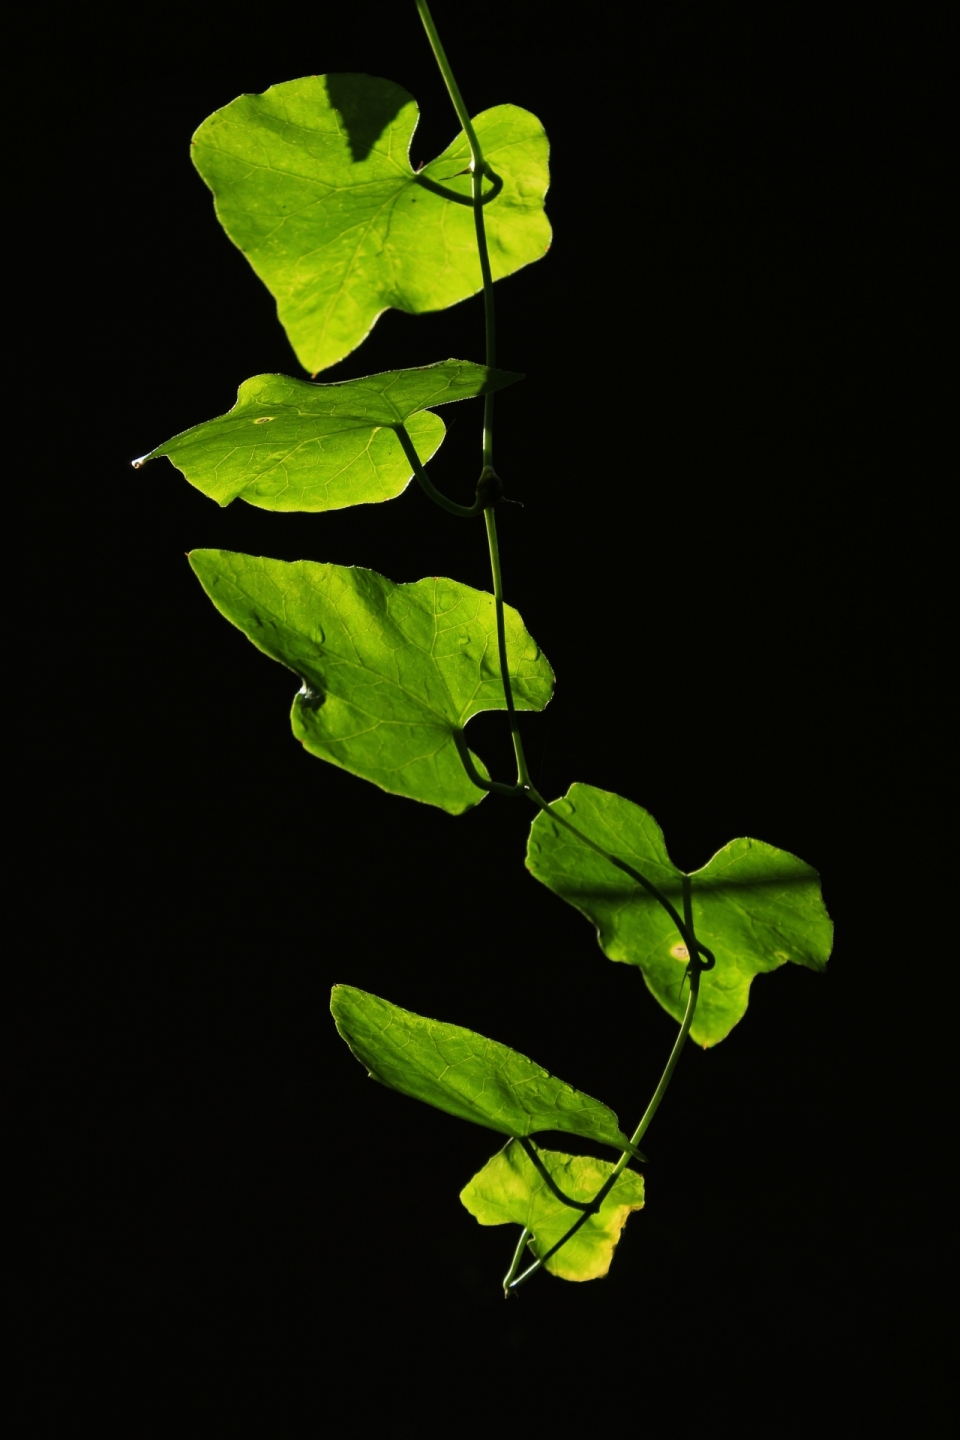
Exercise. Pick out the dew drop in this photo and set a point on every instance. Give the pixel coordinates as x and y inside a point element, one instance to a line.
<point>310,699</point>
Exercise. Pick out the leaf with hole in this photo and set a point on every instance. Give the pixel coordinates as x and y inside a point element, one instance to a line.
<point>464,1073</point>
<point>391,673</point>
<point>312,182</point>
<point>509,1189</point>
<point>291,445</point>
<point>755,906</point>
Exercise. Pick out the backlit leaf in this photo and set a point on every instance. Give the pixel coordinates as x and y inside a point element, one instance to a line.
<point>755,906</point>
<point>391,673</point>
<point>312,181</point>
<point>509,1189</point>
<point>464,1073</point>
<point>291,445</point>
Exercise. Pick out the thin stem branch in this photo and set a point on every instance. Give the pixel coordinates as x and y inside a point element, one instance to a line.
<point>437,189</point>
<point>530,1150</point>
<point>523,777</point>
<point>515,1262</point>
<point>694,971</point>
<point>465,512</point>
<point>489,310</point>
<point>440,55</point>
<point>495,786</point>
<point>479,168</point>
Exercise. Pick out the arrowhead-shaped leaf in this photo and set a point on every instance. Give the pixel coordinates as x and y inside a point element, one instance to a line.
<point>312,181</point>
<point>756,907</point>
<point>290,445</point>
<point>508,1188</point>
<point>464,1073</point>
<point>391,673</point>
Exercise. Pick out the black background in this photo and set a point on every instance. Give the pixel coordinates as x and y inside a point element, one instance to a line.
<point>728,450</point>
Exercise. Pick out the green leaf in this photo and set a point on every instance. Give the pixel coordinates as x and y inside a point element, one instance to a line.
<point>464,1073</point>
<point>756,907</point>
<point>508,1188</point>
<point>391,673</point>
<point>290,445</point>
<point>312,181</point>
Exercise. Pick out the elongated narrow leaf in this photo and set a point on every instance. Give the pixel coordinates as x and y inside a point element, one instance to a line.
<point>509,1189</point>
<point>291,445</point>
<point>312,181</point>
<point>464,1073</point>
<point>755,906</point>
<point>391,673</point>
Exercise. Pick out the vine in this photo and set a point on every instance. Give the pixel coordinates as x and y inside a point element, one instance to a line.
<point>312,182</point>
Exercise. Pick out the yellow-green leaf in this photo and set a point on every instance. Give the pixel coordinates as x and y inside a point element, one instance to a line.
<point>312,181</point>
<point>509,1188</point>
<point>755,906</point>
<point>391,673</point>
<point>290,445</point>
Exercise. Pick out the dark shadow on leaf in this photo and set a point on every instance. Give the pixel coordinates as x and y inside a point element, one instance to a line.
<point>674,888</point>
<point>365,106</point>
<point>668,887</point>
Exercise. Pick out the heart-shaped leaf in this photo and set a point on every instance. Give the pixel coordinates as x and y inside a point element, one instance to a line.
<point>312,181</point>
<point>391,673</point>
<point>464,1073</point>
<point>509,1189</point>
<point>290,445</point>
<point>756,907</point>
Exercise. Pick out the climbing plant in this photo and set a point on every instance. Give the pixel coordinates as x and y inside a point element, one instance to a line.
<point>312,182</point>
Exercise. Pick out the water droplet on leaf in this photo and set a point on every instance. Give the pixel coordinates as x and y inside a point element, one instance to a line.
<point>310,698</point>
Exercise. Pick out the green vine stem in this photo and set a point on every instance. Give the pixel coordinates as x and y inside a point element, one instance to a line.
<point>523,776</point>
<point>455,196</point>
<point>496,787</point>
<point>511,1279</point>
<point>479,168</point>
<point>530,1150</point>
<point>463,114</point>
<point>465,512</point>
<point>525,1236</point>
<point>489,313</point>
<point>700,958</point>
